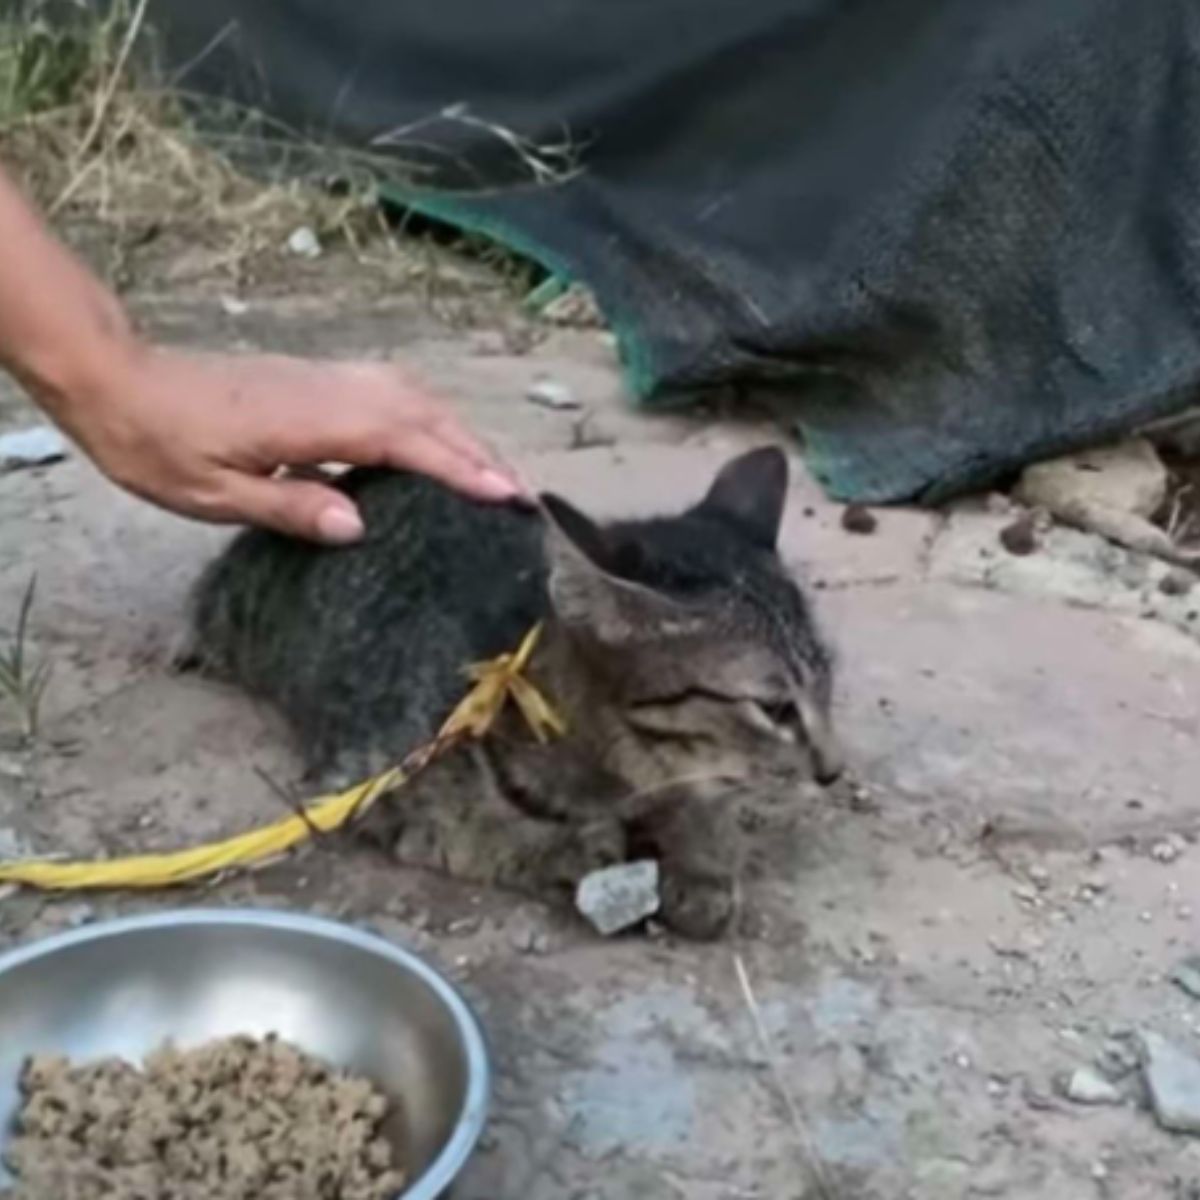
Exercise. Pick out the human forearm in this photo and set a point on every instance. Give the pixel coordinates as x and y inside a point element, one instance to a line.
<point>63,334</point>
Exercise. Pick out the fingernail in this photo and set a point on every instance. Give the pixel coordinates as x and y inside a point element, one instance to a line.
<point>339,525</point>
<point>522,484</point>
<point>498,485</point>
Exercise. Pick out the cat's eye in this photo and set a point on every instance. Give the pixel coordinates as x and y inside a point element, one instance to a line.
<point>780,712</point>
<point>776,718</point>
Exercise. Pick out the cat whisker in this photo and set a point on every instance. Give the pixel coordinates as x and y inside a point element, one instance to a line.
<point>684,781</point>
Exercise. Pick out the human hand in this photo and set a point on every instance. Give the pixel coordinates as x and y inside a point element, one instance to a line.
<point>204,435</point>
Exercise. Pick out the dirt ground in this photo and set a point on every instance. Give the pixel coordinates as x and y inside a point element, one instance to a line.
<point>1003,900</point>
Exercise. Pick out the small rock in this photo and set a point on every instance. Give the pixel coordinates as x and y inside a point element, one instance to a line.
<point>1007,949</point>
<point>1089,1087</point>
<point>1099,1171</point>
<point>858,518</point>
<point>1187,975</point>
<point>1038,1100</point>
<point>615,898</point>
<point>1039,876</point>
<point>548,393</point>
<point>233,307</point>
<point>1166,851</point>
<point>1173,1079</point>
<point>576,307</point>
<point>527,938</point>
<point>1109,491</point>
<point>862,800</point>
<point>1117,1058</point>
<point>11,768</point>
<point>74,916</point>
<point>304,243</point>
<point>1128,477</point>
<point>1020,537</point>
<point>13,846</point>
<point>33,447</point>
<point>1177,582</point>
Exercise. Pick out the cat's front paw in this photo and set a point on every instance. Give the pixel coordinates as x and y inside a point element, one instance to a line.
<point>696,907</point>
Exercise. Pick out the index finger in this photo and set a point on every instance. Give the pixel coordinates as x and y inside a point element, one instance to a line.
<point>419,449</point>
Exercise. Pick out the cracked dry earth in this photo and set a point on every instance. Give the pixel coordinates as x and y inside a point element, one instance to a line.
<point>1004,901</point>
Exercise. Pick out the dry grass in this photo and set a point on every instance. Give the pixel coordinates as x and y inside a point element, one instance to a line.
<point>806,1147</point>
<point>98,137</point>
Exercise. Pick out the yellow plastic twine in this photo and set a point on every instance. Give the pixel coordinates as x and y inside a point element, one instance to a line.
<point>493,683</point>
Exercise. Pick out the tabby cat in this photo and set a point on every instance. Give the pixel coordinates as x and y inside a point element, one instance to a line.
<point>682,655</point>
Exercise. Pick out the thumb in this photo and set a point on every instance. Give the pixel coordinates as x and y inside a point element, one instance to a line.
<point>297,507</point>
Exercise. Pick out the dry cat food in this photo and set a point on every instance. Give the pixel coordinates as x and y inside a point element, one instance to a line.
<point>231,1120</point>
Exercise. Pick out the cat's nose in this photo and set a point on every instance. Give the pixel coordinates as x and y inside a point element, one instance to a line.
<point>827,770</point>
<point>828,762</point>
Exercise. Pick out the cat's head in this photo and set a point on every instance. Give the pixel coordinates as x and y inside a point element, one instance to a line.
<point>701,637</point>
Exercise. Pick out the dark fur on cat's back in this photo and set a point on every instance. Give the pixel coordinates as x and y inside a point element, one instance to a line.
<point>682,655</point>
<point>363,648</point>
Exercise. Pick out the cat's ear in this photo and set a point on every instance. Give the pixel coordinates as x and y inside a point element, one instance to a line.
<point>750,492</point>
<point>580,532</point>
<point>587,594</point>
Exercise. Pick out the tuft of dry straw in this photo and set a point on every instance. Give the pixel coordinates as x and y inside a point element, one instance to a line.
<point>105,94</point>
<point>805,1143</point>
<point>544,164</point>
<point>114,146</point>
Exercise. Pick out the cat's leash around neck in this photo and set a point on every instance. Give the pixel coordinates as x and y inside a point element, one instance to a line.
<point>494,684</point>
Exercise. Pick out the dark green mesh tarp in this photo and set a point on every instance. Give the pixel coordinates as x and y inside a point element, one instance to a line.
<point>947,236</point>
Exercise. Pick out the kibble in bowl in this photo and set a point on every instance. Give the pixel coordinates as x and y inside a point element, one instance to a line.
<point>238,1118</point>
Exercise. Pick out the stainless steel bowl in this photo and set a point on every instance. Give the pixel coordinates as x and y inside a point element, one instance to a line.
<point>124,987</point>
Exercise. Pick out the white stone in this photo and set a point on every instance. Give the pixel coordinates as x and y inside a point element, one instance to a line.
<point>615,898</point>
<point>32,447</point>
<point>304,243</point>
<point>1126,478</point>
<point>549,393</point>
<point>1089,1087</point>
<point>1173,1078</point>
